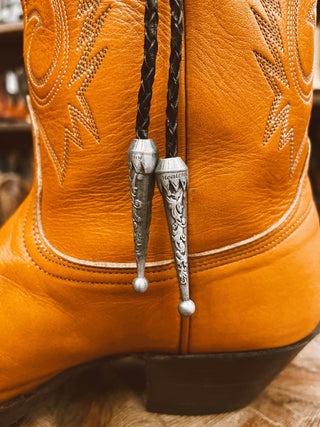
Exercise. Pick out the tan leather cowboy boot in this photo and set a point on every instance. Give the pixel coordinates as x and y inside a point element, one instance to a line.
<point>67,255</point>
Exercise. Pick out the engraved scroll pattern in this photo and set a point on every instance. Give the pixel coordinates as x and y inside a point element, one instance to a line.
<point>173,187</point>
<point>141,189</point>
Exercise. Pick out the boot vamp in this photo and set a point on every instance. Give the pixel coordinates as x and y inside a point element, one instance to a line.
<point>55,316</point>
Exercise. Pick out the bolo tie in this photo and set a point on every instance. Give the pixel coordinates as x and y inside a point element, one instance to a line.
<point>171,173</point>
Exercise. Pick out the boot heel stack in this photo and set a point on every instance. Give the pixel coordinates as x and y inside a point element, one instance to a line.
<point>201,384</point>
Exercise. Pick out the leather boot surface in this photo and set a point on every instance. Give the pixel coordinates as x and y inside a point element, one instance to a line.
<point>67,255</point>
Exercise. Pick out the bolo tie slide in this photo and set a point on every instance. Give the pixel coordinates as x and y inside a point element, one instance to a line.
<point>145,167</point>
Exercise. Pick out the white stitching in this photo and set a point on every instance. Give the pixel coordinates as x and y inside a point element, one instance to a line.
<point>260,250</point>
<point>293,45</point>
<point>61,18</point>
<point>272,36</point>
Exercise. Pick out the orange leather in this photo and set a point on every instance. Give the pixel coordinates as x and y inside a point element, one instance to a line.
<point>67,258</point>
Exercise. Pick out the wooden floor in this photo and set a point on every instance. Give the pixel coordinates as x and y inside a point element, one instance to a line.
<point>113,395</point>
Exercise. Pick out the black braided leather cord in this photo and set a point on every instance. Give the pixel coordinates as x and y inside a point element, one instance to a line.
<point>174,73</point>
<point>148,68</point>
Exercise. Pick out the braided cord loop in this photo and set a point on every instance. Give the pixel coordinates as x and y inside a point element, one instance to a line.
<point>148,68</point>
<point>174,73</point>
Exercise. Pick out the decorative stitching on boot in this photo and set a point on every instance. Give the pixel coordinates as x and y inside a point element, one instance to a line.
<point>86,68</point>
<point>311,19</point>
<point>61,50</point>
<point>276,75</point>
<point>292,29</point>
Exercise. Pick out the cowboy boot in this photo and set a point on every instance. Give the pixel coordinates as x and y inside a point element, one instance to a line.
<point>67,255</point>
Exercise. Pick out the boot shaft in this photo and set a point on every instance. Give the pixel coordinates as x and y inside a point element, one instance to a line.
<point>245,100</point>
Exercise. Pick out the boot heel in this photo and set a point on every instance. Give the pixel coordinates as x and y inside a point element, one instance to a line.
<point>213,383</point>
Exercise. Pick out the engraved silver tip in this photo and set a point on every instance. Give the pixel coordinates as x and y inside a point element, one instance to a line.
<point>144,155</point>
<point>186,308</point>
<point>140,284</point>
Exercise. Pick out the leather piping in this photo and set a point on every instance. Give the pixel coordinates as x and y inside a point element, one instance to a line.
<point>114,265</point>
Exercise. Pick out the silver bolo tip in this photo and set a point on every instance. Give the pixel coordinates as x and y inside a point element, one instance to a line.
<point>186,308</point>
<point>140,284</point>
<point>172,180</point>
<point>143,157</point>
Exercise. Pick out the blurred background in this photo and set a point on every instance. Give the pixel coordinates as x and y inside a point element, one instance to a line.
<point>15,129</point>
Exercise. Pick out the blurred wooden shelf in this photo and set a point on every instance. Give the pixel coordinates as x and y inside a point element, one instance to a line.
<point>316,97</point>
<point>14,127</point>
<point>11,37</point>
<point>14,27</point>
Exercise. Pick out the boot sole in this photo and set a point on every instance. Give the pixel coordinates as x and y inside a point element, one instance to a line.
<point>195,384</point>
